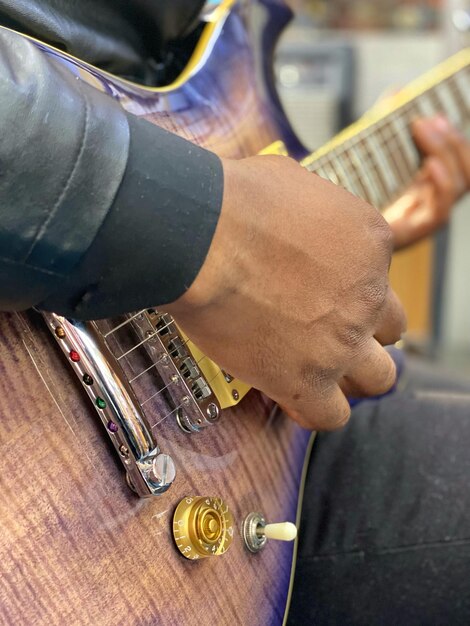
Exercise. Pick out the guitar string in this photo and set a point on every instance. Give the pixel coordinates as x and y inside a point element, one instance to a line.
<point>115,328</point>
<point>361,137</point>
<point>451,82</point>
<point>166,416</point>
<point>351,178</point>
<point>395,118</point>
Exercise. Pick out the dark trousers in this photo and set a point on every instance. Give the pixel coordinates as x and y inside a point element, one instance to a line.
<point>385,534</point>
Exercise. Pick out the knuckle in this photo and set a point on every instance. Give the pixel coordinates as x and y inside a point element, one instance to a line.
<point>315,380</point>
<point>355,336</point>
<point>380,234</point>
<point>386,382</point>
<point>374,294</point>
<point>333,416</point>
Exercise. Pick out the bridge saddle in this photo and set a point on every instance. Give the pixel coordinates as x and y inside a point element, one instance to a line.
<point>144,357</point>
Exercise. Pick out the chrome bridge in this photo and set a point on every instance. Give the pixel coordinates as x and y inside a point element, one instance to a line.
<point>125,364</point>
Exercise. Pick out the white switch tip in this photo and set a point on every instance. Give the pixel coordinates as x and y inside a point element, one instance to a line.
<point>284,531</point>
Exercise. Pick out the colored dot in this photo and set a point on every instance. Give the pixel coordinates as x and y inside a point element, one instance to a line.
<point>87,379</point>
<point>60,332</point>
<point>74,356</point>
<point>112,427</point>
<point>100,403</point>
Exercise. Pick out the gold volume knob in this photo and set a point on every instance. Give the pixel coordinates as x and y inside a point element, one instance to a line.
<point>202,527</point>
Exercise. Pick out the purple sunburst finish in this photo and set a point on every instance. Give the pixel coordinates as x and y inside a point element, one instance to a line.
<point>76,545</point>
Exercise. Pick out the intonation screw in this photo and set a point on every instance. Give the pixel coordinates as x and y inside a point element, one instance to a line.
<point>212,411</point>
<point>235,394</point>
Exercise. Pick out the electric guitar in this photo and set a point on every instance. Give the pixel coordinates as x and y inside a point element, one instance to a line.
<point>139,480</point>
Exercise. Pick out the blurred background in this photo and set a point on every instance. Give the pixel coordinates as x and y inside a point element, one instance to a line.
<point>335,60</point>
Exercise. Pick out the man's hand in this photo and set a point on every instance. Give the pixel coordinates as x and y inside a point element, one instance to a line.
<point>293,297</point>
<point>443,177</point>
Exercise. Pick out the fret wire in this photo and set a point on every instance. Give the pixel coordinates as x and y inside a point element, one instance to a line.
<point>409,149</point>
<point>403,171</point>
<point>327,172</point>
<point>448,102</point>
<point>426,110</point>
<point>437,102</point>
<point>374,171</point>
<point>336,173</point>
<point>353,182</point>
<point>426,106</point>
<point>378,143</point>
<point>359,172</point>
<point>372,195</point>
<point>387,172</point>
<point>459,101</point>
<point>464,88</point>
<point>379,164</point>
<point>354,176</point>
<point>340,172</point>
<point>372,159</point>
<point>460,96</point>
<point>363,137</point>
<point>332,176</point>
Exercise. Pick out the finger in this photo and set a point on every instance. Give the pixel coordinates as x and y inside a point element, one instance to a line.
<point>373,374</point>
<point>327,410</point>
<point>391,323</point>
<point>461,148</point>
<point>436,137</point>
<point>445,188</point>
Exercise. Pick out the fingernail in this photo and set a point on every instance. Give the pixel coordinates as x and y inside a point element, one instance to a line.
<point>441,124</point>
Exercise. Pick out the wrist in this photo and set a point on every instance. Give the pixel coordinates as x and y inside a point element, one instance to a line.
<point>218,274</point>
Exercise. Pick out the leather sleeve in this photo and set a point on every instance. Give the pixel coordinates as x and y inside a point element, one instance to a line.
<point>96,217</point>
<point>124,37</point>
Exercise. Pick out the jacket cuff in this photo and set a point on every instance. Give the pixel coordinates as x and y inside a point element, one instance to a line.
<point>157,232</point>
<point>64,150</point>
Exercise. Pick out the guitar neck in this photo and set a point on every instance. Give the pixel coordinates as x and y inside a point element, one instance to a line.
<point>376,158</point>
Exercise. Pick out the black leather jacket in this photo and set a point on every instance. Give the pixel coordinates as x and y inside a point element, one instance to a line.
<point>72,237</point>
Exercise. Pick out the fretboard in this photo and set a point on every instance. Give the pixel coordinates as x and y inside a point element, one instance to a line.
<point>376,158</point>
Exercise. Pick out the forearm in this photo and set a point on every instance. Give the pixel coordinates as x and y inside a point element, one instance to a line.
<point>99,212</point>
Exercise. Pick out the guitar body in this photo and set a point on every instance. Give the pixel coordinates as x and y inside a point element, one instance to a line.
<point>77,546</point>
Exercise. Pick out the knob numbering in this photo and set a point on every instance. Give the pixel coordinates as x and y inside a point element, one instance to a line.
<point>202,527</point>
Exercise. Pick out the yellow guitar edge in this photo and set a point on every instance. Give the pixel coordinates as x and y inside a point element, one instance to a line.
<point>382,109</point>
<point>227,393</point>
<point>217,18</point>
